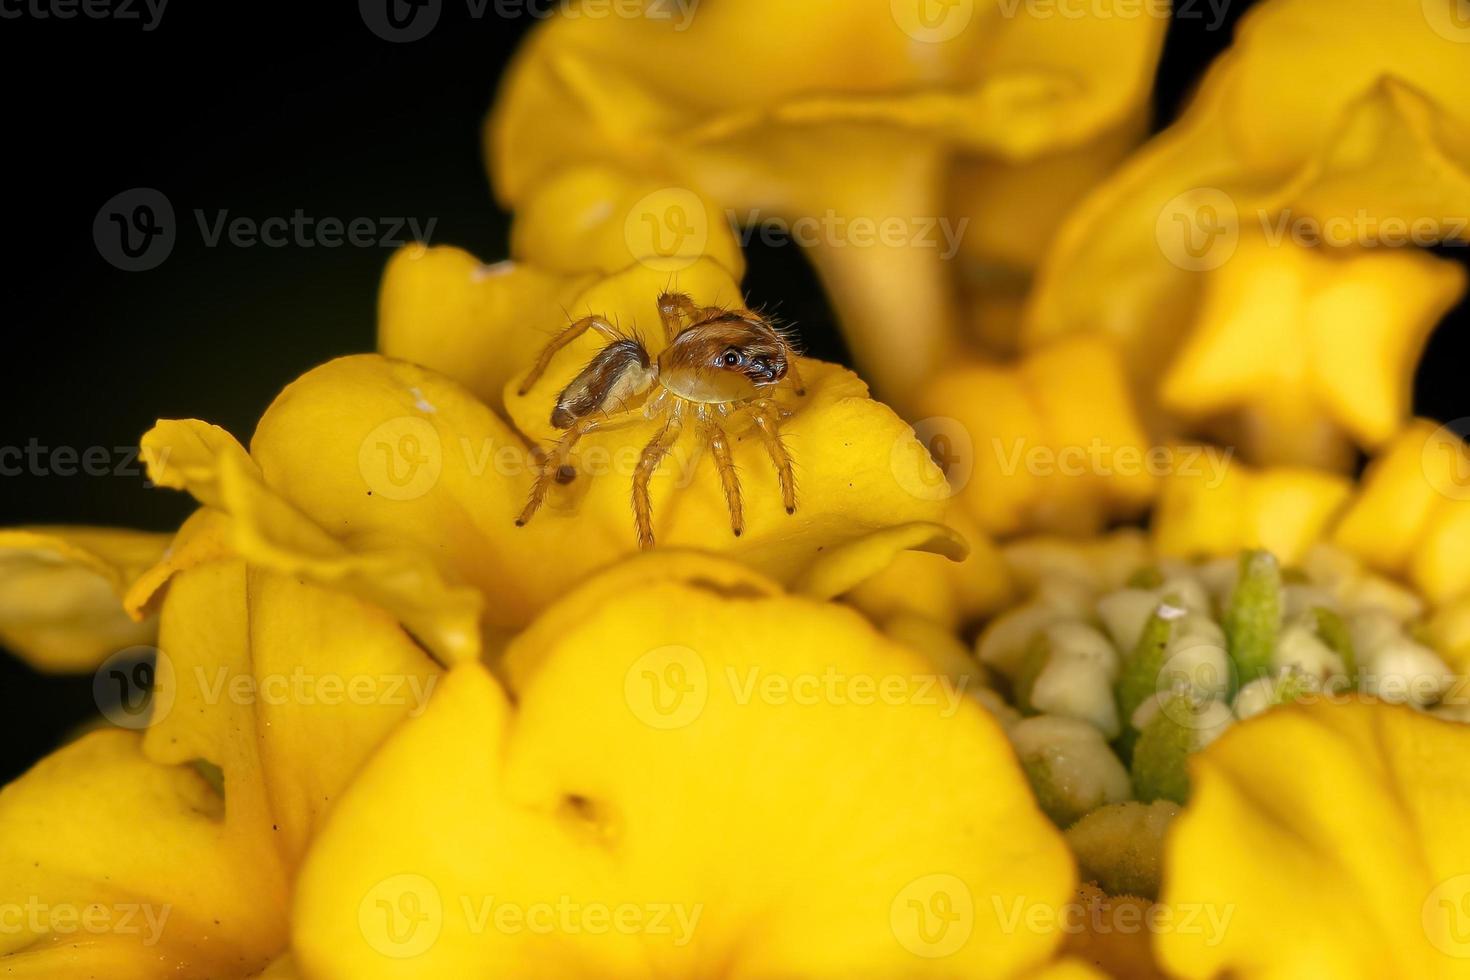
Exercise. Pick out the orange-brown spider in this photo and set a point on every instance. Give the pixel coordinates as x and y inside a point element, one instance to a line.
<point>715,367</point>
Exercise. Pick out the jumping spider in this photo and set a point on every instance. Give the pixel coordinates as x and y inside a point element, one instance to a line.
<point>714,369</point>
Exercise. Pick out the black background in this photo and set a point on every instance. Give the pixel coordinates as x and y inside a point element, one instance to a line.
<point>261,109</point>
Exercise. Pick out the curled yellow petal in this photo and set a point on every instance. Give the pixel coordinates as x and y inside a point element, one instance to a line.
<point>61,591</point>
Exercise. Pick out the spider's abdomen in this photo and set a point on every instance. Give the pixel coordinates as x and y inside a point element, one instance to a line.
<point>617,373</point>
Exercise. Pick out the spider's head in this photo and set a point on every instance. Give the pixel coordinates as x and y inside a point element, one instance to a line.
<point>747,345</point>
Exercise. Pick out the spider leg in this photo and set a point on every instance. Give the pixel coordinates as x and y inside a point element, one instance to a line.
<point>719,445</point>
<point>767,417</point>
<point>568,335</point>
<point>653,454</point>
<point>559,455</point>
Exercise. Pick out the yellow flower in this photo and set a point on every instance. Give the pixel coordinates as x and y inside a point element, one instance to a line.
<point>1330,841</point>
<point>1332,127</point>
<point>171,847</point>
<point>697,773</point>
<point>858,125</point>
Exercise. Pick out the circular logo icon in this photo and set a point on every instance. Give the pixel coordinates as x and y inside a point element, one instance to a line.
<point>1450,19</point>
<point>401,916</point>
<point>1446,460</point>
<point>400,21</point>
<point>401,459</point>
<point>932,21</point>
<point>135,230</point>
<point>667,230</point>
<point>134,688</point>
<point>1198,230</point>
<point>667,688</point>
<point>1445,916</point>
<point>933,916</point>
<point>938,462</point>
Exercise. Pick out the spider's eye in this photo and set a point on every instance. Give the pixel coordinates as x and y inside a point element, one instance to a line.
<point>761,364</point>
<point>731,358</point>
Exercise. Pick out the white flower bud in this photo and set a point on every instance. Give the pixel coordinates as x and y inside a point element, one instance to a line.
<point>1254,697</point>
<point>1124,613</point>
<point>1080,687</point>
<point>1405,672</point>
<point>1299,600</point>
<point>1085,642</point>
<point>1072,769</point>
<point>1299,648</point>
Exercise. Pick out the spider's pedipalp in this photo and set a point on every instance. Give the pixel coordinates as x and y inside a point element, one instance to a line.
<point>616,374</point>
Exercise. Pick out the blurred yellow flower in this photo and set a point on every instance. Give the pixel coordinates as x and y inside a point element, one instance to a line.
<point>854,129</point>
<point>1339,128</point>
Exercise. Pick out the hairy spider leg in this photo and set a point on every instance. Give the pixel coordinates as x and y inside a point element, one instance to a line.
<point>719,444</point>
<point>767,417</point>
<point>653,454</point>
<point>793,374</point>
<point>559,455</point>
<point>568,335</point>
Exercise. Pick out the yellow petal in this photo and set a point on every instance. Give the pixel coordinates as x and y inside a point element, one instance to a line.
<point>1345,822</point>
<point>442,308</point>
<point>1211,514</point>
<point>566,799</point>
<point>1051,443</point>
<point>285,685</point>
<point>1297,340</point>
<point>61,592</point>
<point>270,532</point>
<point>1413,512</point>
<point>112,865</point>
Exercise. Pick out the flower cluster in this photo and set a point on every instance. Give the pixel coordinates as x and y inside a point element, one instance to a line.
<point>942,718</point>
